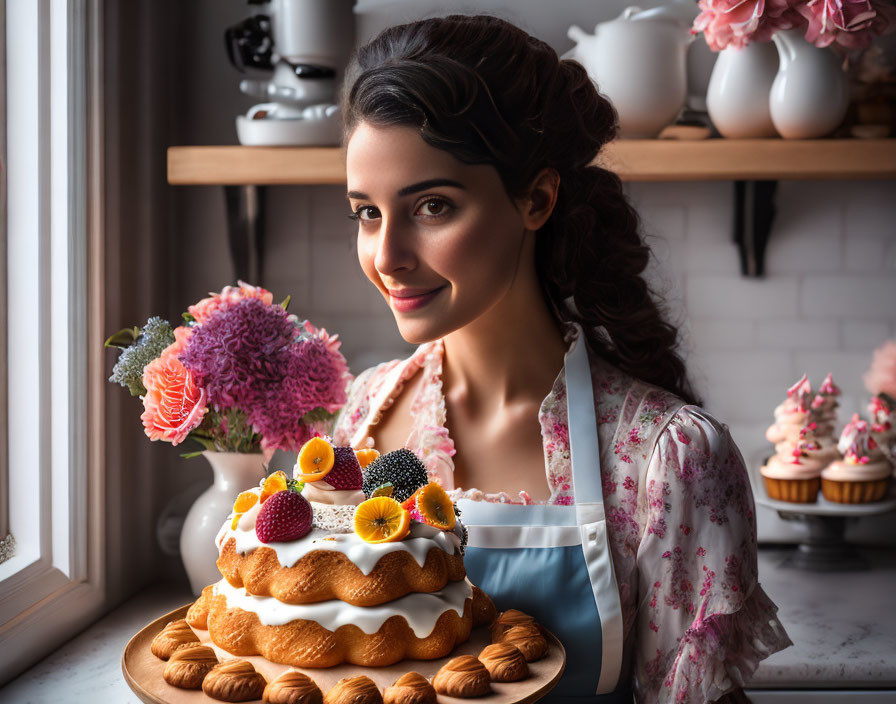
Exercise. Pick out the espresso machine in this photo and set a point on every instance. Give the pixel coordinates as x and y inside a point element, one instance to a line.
<point>304,45</point>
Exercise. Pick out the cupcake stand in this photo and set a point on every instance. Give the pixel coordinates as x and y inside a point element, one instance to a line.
<point>143,670</point>
<point>824,549</point>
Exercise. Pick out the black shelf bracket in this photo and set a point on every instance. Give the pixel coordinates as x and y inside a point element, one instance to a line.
<point>245,231</point>
<point>754,213</point>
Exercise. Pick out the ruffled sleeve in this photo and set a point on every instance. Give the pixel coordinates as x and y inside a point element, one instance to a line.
<point>703,623</point>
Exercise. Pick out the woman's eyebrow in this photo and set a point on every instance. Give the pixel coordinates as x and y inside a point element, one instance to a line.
<point>413,188</point>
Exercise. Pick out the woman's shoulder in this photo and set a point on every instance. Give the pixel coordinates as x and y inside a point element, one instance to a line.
<point>643,415</point>
<point>626,403</point>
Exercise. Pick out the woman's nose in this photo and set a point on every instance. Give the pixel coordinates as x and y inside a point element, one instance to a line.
<point>394,248</point>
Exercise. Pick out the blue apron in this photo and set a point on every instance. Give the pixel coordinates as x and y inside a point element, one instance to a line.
<point>554,563</point>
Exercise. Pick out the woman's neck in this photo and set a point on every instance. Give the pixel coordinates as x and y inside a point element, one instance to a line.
<point>512,352</point>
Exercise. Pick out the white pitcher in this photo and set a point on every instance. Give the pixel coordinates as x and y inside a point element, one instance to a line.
<point>810,94</point>
<point>639,62</point>
<point>737,97</point>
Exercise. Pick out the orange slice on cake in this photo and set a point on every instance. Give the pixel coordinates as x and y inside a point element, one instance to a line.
<point>435,507</point>
<point>366,456</point>
<point>243,503</point>
<point>381,520</point>
<point>316,459</point>
<point>272,484</point>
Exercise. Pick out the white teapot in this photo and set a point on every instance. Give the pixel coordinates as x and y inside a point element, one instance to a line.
<point>639,62</point>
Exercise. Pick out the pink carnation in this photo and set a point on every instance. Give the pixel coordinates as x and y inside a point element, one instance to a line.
<point>229,295</point>
<point>881,377</point>
<point>173,405</point>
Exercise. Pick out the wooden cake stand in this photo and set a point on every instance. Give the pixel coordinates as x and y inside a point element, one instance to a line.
<point>143,670</point>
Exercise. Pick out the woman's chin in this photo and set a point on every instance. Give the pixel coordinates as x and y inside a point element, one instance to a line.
<point>417,332</point>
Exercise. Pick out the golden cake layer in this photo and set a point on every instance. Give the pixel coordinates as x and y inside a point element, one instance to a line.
<point>304,643</point>
<point>321,575</point>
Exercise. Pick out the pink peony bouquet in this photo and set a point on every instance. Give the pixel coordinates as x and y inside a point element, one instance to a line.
<point>241,375</point>
<point>849,23</point>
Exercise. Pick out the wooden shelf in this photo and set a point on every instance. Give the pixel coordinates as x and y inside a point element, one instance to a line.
<point>633,160</point>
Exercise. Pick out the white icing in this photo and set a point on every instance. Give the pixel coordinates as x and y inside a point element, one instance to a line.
<point>420,610</point>
<point>324,493</point>
<point>421,539</point>
<point>247,520</point>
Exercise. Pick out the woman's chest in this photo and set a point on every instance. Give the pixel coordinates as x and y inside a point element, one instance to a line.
<point>495,451</point>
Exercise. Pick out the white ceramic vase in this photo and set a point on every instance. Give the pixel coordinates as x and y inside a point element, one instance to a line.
<point>234,472</point>
<point>737,97</point>
<point>810,94</point>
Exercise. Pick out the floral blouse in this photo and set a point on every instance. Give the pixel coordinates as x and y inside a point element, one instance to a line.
<point>680,514</point>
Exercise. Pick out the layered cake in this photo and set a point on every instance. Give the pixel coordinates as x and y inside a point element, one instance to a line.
<point>357,558</point>
<point>863,475</point>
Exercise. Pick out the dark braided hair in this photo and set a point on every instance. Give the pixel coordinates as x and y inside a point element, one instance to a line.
<point>487,92</point>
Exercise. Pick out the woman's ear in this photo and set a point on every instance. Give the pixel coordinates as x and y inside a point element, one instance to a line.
<point>540,199</point>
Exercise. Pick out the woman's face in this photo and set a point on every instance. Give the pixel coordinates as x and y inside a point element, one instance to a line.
<point>440,239</point>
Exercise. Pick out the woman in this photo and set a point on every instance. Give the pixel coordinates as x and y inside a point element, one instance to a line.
<point>546,393</point>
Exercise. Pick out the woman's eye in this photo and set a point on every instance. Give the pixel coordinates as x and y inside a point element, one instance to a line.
<point>356,215</point>
<point>435,206</point>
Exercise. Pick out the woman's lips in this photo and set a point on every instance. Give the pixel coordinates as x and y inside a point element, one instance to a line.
<point>407,299</point>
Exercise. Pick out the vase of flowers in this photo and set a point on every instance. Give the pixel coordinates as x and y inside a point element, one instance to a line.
<point>737,98</point>
<point>807,94</point>
<point>242,378</point>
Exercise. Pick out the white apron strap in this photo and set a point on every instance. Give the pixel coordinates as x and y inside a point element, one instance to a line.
<point>589,502</point>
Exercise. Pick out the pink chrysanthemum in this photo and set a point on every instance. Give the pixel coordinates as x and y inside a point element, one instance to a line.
<point>253,357</point>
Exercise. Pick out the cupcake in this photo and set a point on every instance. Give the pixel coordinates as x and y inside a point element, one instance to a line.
<point>817,448</point>
<point>862,476</point>
<point>793,476</point>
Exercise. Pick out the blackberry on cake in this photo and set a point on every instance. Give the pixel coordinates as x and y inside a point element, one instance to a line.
<point>401,468</point>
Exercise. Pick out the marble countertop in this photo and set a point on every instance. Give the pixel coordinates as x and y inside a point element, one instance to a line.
<point>842,624</point>
<point>843,631</point>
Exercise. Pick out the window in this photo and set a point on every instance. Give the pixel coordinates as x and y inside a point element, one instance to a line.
<point>7,542</point>
<point>53,583</point>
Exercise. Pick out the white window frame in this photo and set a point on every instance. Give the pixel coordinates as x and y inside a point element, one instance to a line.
<point>54,584</point>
